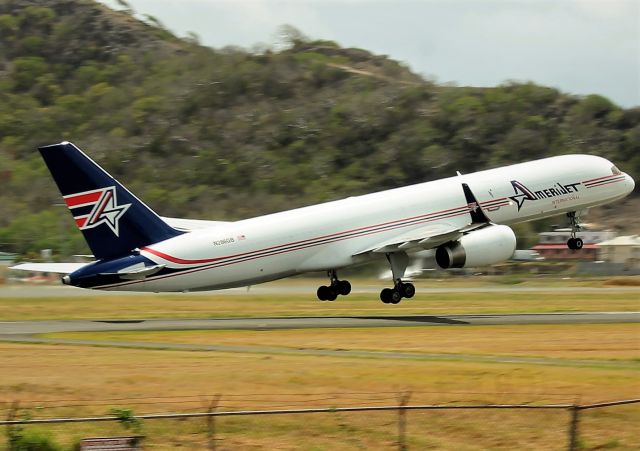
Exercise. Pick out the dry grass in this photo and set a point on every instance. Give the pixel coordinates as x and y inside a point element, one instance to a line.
<point>629,281</point>
<point>247,305</point>
<point>90,379</point>
<point>576,341</point>
<point>82,376</point>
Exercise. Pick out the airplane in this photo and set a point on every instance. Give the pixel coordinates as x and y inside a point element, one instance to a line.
<point>464,219</point>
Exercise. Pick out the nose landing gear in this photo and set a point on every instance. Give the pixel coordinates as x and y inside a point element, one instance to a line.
<point>574,243</point>
<point>337,288</point>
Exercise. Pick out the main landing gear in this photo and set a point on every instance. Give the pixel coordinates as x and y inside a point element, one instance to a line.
<point>574,243</point>
<point>398,262</point>
<point>337,287</point>
<point>399,291</point>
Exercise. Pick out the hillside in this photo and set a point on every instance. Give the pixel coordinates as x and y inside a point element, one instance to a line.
<point>226,134</point>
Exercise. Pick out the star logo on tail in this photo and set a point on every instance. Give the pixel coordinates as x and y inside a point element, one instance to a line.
<point>103,205</point>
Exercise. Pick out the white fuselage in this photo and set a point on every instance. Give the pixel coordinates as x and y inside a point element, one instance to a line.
<point>332,235</point>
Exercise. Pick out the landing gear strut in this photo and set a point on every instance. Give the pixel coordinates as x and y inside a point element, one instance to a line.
<point>337,287</point>
<point>574,243</point>
<point>398,262</point>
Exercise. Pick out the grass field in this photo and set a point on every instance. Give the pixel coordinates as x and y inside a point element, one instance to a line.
<point>258,305</point>
<point>472,364</point>
<point>598,342</point>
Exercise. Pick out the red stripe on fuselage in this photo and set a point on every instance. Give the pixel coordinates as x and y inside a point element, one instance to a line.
<point>297,245</point>
<point>322,237</point>
<point>491,202</point>
<point>181,261</point>
<point>608,182</point>
<point>600,178</point>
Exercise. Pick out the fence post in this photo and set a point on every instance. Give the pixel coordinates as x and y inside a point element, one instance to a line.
<point>403,400</point>
<point>211,421</point>
<point>13,413</point>
<point>573,427</point>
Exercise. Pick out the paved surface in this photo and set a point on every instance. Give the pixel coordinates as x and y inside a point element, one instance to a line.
<point>10,328</point>
<point>26,332</point>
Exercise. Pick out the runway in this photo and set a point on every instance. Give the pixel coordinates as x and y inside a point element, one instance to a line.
<point>12,328</point>
<point>28,332</point>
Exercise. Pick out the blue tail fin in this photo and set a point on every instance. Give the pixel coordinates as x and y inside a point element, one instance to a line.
<point>113,221</point>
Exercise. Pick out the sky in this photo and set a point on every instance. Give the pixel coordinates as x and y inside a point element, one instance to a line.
<point>578,46</point>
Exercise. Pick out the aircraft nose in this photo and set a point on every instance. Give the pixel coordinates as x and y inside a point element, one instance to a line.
<point>631,184</point>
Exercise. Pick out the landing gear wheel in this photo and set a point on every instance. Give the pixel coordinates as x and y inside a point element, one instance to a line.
<point>385,295</point>
<point>408,290</point>
<point>337,288</point>
<point>332,294</point>
<point>396,296</point>
<point>326,293</point>
<point>575,244</point>
<point>578,243</point>
<point>323,293</point>
<point>343,287</point>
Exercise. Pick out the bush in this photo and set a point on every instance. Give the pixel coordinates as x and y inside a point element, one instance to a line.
<point>31,440</point>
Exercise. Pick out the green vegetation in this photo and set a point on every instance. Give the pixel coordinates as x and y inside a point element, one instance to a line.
<point>127,419</point>
<point>276,305</point>
<point>20,439</point>
<point>229,133</point>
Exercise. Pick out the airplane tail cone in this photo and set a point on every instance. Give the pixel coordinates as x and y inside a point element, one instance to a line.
<point>113,221</point>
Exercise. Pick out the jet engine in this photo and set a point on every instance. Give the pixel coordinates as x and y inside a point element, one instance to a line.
<point>486,246</point>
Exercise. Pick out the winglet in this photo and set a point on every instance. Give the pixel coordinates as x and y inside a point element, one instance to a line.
<point>475,210</point>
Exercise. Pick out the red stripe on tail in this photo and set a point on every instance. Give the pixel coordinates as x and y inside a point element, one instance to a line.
<point>83,199</point>
<point>81,221</point>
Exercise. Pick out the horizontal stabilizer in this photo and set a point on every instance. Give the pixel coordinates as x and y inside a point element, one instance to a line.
<point>189,225</point>
<point>57,268</point>
<point>135,272</point>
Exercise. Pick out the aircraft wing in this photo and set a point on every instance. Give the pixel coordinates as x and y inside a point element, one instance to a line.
<point>434,235</point>
<point>422,238</point>
<point>189,225</point>
<point>57,268</point>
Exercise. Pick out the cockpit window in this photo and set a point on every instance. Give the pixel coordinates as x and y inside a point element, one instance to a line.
<point>615,171</point>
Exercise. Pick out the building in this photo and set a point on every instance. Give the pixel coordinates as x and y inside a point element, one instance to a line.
<point>622,250</point>
<point>7,258</point>
<point>553,245</point>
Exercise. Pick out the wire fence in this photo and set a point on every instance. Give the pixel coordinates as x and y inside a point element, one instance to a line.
<point>212,412</point>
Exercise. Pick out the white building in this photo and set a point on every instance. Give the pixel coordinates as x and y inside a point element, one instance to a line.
<point>621,250</point>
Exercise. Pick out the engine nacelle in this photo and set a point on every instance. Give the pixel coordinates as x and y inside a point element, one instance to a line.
<point>492,244</point>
